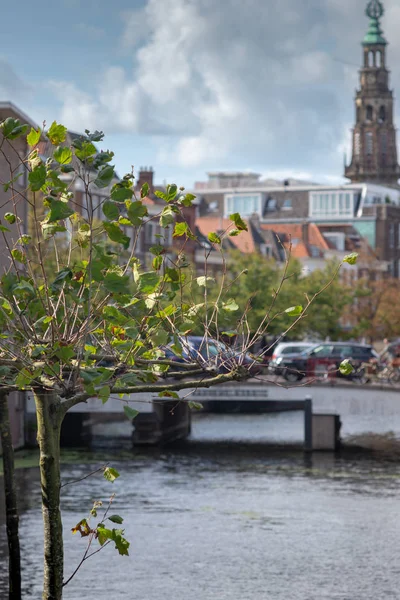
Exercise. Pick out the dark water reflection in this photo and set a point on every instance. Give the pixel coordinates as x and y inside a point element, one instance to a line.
<point>231,521</point>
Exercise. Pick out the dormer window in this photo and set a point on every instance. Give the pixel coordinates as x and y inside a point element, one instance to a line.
<point>287,204</point>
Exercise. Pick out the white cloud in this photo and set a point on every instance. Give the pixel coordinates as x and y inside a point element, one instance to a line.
<point>255,81</point>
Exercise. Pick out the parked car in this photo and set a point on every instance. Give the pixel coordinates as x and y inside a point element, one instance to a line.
<point>285,348</point>
<point>323,357</point>
<point>212,353</point>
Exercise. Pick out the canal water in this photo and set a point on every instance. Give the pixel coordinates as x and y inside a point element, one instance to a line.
<point>227,517</point>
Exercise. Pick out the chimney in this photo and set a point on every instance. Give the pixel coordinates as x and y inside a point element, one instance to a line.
<point>305,233</point>
<point>146,176</point>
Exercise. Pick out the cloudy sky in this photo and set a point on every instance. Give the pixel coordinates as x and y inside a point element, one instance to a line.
<point>189,86</point>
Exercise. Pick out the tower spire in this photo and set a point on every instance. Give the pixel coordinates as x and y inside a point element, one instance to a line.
<point>374,35</point>
<point>374,156</point>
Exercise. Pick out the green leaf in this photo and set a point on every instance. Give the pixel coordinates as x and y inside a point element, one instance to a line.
<point>294,311</point>
<point>121,543</point>
<point>238,221</point>
<point>136,212</point>
<point>187,200</point>
<point>50,229</point>
<point>105,177</point>
<point>234,232</point>
<point>23,288</point>
<point>168,394</point>
<point>23,379</point>
<point>214,238</point>
<point>104,393</point>
<point>157,263</point>
<point>67,169</point>
<point>37,177</point>
<point>144,190</point>
<point>18,255</point>
<point>33,136</point>
<point>110,474</point>
<point>131,413</point>
<point>230,305</point>
<point>10,218</point>
<point>161,195</point>
<point>57,134</point>
<point>24,239</point>
<point>167,216</point>
<point>4,228</point>
<point>351,259</point>
<point>172,190</point>
<point>181,229</point>
<point>12,128</point>
<point>63,155</point>
<point>65,353</point>
<point>110,210</point>
<point>116,519</point>
<point>116,234</point>
<point>120,193</point>
<point>345,367</point>
<point>59,211</point>
<point>103,534</point>
<point>60,279</point>
<point>84,150</point>
<point>195,405</point>
<point>203,281</point>
<point>117,284</point>
<point>148,282</point>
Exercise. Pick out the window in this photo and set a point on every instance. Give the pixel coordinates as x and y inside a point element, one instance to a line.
<point>357,144</point>
<point>369,144</point>
<point>322,352</point>
<point>391,235</point>
<point>382,114</point>
<point>370,113</point>
<point>383,143</point>
<point>287,204</point>
<point>266,250</point>
<point>244,204</point>
<point>336,204</point>
<point>370,58</point>
<point>270,205</point>
<point>378,58</point>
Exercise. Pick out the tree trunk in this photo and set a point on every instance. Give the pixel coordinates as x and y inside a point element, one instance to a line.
<point>49,419</point>
<point>14,557</point>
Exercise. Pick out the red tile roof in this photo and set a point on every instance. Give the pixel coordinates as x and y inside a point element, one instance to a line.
<point>295,233</point>
<point>243,242</point>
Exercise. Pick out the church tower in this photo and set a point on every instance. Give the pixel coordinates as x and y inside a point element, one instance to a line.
<point>374,157</point>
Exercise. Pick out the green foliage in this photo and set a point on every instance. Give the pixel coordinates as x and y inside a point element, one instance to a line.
<point>57,134</point>
<point>33,137</point>
<point>351,259</point>
<point>238,221</point>
<point>294,311</point>
<point>116,234</point>
<point>12,128</point>
<point>110,474</point>
<point>214,238</point>
<point>345,367</point>
<point>63,155</point>
<point>136,212</point>
<point>130,413</point>
<point>37,177</point>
